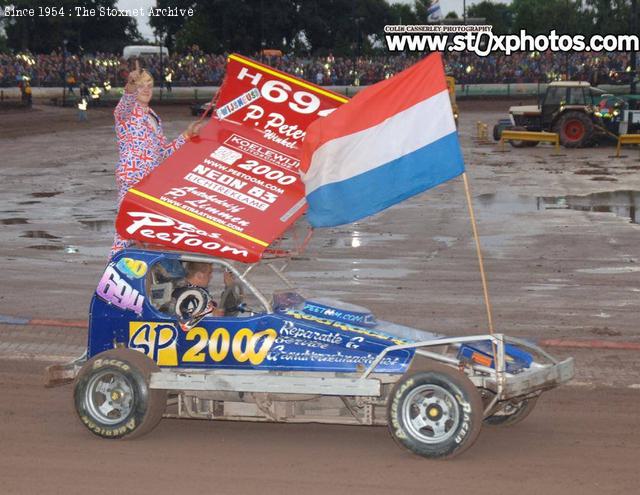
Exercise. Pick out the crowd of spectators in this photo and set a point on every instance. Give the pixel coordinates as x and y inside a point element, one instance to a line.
<point>196,68</point>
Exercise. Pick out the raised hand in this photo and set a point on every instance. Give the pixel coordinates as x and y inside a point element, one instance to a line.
<point>132,80</point>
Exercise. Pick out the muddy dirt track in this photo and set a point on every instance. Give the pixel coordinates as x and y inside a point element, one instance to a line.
<point>580,441</point>
<point>561,253</point>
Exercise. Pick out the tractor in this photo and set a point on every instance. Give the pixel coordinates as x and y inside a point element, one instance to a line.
<point>575,110</point>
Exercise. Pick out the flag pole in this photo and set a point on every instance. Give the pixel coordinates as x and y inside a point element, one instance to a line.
<point>479,252</point>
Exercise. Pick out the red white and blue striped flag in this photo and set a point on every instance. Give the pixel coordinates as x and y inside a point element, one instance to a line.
<point>392,141</point>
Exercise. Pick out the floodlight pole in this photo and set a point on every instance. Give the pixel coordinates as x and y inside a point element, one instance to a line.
<point>64,72</point>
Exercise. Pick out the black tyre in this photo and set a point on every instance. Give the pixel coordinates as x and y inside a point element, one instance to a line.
<point>112,395</point>
<point>497,132</point>
<point>435,413</point>
<point>521,144</point>
<point>499,127</point>
<point>575,129</point>
<point>513,412</point>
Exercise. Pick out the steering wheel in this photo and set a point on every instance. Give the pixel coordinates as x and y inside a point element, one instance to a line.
<point>231,300</point>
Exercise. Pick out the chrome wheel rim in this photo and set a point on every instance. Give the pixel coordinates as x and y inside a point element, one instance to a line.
<point>430,414</point>
<point>109,397</point>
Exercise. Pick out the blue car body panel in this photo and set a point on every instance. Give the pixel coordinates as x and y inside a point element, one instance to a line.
<point>299,336</point>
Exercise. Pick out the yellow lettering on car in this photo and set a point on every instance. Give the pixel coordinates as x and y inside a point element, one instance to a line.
<point>219,344</point>
<point>245,345</point>
<point>268,337</point>
<point>194,354</point>
<point>240,346</point>
<point>156,340</point>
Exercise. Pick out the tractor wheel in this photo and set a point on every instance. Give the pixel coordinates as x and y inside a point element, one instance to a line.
<point>575,129</point>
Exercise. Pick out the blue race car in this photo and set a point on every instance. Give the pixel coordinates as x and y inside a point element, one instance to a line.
<point>155,349</point>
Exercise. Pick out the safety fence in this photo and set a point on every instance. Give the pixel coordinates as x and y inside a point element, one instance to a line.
<point>204,93</point>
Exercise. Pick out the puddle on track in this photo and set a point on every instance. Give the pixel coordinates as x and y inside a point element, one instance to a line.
<point>46,194</point>
<point>612,270</point>
<point>98,225</point>
<point>14,221</point>
<point>355,274</point>
<point>357,239</point>
<point>39,234</point>
<point>47,247</point>
<point>622,203</point>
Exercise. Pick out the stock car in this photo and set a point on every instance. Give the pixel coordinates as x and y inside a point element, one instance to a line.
<point>155,349</point>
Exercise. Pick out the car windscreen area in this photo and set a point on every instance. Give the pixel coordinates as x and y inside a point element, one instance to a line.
<point>172,283</point>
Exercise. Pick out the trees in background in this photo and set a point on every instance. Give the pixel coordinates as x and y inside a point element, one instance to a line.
<point>45,33</point>
<point>499,15</point>
<point>350,27</point>
<point>339,26</point>
<point>343,27</point>
<point>225,25</point>
<point>565,16</point>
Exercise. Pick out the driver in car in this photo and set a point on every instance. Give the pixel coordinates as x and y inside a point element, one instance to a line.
<point>192,298</point>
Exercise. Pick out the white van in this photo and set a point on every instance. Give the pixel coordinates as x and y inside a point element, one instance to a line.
<point>132,51</point>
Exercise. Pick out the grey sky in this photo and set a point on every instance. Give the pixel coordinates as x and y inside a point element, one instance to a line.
<point>143,22</point>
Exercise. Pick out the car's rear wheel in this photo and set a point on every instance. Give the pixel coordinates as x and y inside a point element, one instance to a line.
<point>112,396</point>
<point>512,412</point>
<point>436,413</point>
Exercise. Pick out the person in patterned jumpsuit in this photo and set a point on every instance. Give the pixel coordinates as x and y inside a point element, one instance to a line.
<point>141,141</point>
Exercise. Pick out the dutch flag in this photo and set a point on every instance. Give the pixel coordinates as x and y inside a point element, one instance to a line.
<point>393,140</point>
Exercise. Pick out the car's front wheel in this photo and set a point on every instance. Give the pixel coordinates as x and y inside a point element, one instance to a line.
<point>435,413</point>
<point>112,395</point>
<point>512,412</point>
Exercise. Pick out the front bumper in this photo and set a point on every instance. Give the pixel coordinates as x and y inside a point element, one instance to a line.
<point>535,379</point>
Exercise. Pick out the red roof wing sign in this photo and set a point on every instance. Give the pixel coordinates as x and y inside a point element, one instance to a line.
<point>236,189</point>
<point>287,105</point>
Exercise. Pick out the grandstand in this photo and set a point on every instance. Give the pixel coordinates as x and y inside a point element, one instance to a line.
<point>196,68</point>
